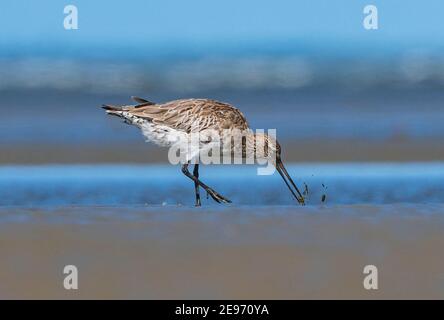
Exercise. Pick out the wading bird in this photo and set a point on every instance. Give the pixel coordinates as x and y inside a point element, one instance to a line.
<point>166,123</point>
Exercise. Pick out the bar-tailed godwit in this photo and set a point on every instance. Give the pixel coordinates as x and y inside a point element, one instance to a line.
<point>166,123</point>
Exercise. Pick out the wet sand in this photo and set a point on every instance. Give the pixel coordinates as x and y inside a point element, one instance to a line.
<point>311,150</point>
<point>223,252</point>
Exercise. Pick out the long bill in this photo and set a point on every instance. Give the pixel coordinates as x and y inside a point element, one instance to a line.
<point>284,174</point>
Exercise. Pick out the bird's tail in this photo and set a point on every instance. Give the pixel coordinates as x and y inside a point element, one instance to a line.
<point>113,110</point>
<point>120,110</point>
<point>109,107</point>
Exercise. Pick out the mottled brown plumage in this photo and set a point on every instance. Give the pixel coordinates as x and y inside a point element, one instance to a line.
<point>191,115</point>
<point>181,118</point>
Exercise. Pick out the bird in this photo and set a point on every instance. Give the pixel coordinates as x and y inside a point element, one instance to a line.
<point>167,123</point>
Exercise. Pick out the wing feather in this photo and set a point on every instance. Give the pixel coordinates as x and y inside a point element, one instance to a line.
<point>192,115</point>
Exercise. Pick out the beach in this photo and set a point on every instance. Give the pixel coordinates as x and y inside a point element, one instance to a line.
<point>132,231</point>
<point>280,252</point>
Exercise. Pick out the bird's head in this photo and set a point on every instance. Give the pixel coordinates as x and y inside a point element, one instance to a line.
<point>266,146</point>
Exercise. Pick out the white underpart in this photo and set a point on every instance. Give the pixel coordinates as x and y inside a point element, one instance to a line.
<point>164,136</point>
<point>161,135</point>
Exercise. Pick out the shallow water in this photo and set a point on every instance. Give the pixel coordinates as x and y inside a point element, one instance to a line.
<point>324,113</point>
<point>117,185</point>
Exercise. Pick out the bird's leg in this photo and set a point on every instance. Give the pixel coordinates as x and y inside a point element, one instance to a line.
<point>196,184</point>
<point>216,196</point>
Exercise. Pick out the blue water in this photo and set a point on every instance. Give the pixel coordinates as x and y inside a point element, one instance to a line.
<point>39,117</point>
<point>129,185</point>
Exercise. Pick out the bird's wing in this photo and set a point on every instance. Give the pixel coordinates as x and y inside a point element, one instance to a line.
<point>193,115</point>
<point>142,101</point>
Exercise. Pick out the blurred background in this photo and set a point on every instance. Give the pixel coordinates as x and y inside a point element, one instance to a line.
<point>333,90</point>
<point>359,114</point>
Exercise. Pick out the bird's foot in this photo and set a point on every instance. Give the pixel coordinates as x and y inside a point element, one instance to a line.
<point>301,201</point>
<point>217,197</point>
